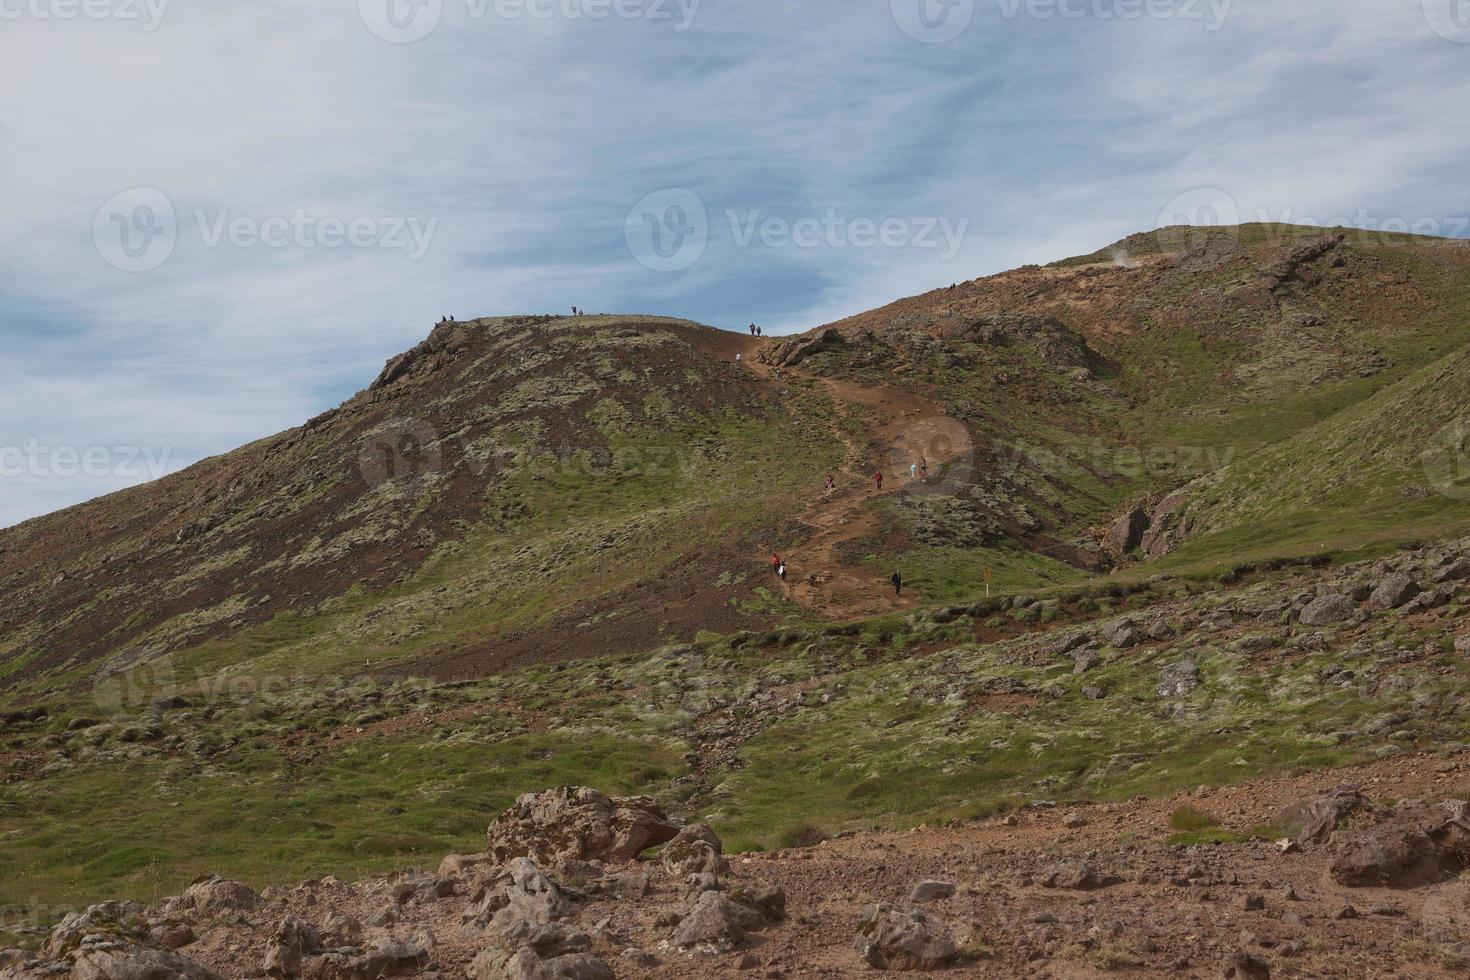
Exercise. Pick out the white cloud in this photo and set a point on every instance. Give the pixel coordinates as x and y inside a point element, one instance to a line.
<point>529,140</point>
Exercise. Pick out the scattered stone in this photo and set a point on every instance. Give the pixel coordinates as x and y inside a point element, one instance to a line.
<point>1075,875</point>
<point>931,891</point>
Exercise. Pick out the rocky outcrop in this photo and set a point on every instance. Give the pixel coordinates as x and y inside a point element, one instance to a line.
<point>1125,533</point>
<point>1168,525</point>
<point>439,348</point>
<point>1155,530</point>
<point>577,823</point>
<point>793,351</point>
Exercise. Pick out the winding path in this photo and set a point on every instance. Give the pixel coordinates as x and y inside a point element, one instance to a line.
<point>818,577</point>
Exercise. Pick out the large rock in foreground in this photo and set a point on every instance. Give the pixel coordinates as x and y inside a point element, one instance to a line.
<point>900,937</point>
<point>574,823</point>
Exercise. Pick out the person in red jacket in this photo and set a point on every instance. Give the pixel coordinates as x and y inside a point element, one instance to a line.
<point>878,479</point>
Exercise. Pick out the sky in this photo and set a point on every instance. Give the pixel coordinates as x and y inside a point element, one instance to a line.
<point>221,218</point>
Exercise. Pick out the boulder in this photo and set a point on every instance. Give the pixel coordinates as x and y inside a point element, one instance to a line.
<point>1453,572</point>
<point>891,936</point>
<point>1326,610</point>
<point>1393,591</point>
<point>454,864</point>
<point>518,895</point>
<point>576,823</point>
<point>1241,965</point>
<point>931,891</point>
<point>389,958</point>
<point>129,962</point>
<point>1388,857</point>
<point>714,924</point>
<point>766,899</point>
<point>1122,634</point>
<point>1179,679</point>
<point>213,894</point>
<point>696,848</point>
<point>527,964</point>
<point>119,921</point>
<point>1313,821</point>
<point>1075,875</point>
<point>293,942</point>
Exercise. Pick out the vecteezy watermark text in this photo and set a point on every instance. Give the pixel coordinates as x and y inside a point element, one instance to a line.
<point>406,21</point>
<point>138,230</point>
<point>148,13</point>
<point>669,230</point>
<point>939,21</point>
<point>36,459</point>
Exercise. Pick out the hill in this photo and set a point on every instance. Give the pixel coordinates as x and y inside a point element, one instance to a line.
<point>1185,512</point>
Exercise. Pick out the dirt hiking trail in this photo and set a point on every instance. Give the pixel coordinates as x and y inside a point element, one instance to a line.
<point>901,427</point>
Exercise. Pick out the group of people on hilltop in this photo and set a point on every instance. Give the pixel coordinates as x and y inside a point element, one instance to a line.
<point>755,331</point>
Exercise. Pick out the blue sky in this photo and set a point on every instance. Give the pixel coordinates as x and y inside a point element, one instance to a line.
<point>304,192</point>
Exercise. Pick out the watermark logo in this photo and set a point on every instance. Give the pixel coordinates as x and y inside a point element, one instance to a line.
<point>148,13</point>
<point>932,21</point>
<point>401,21</point>
<point>135,230</point>
<point>138,230</point>
<point>1211,13</point>
<point>1446,460</point>
<point>404,449</point>
<point>133,688</point>
<point>1450,19</point>
<point>1197,218</point>
<point>668,230</point>
<point>934,454</point>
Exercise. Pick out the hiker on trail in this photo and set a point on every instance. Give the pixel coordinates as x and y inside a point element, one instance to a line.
<point>737,357</point>
<point>878,479</point>
<point>781,571</point>
<point>776,562</point>
<point>831,483</point>
<point>752,330</point>
<point>924,468</point>
<point>913,470</point>
<point>897,581</point>
<point>757,330</point>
